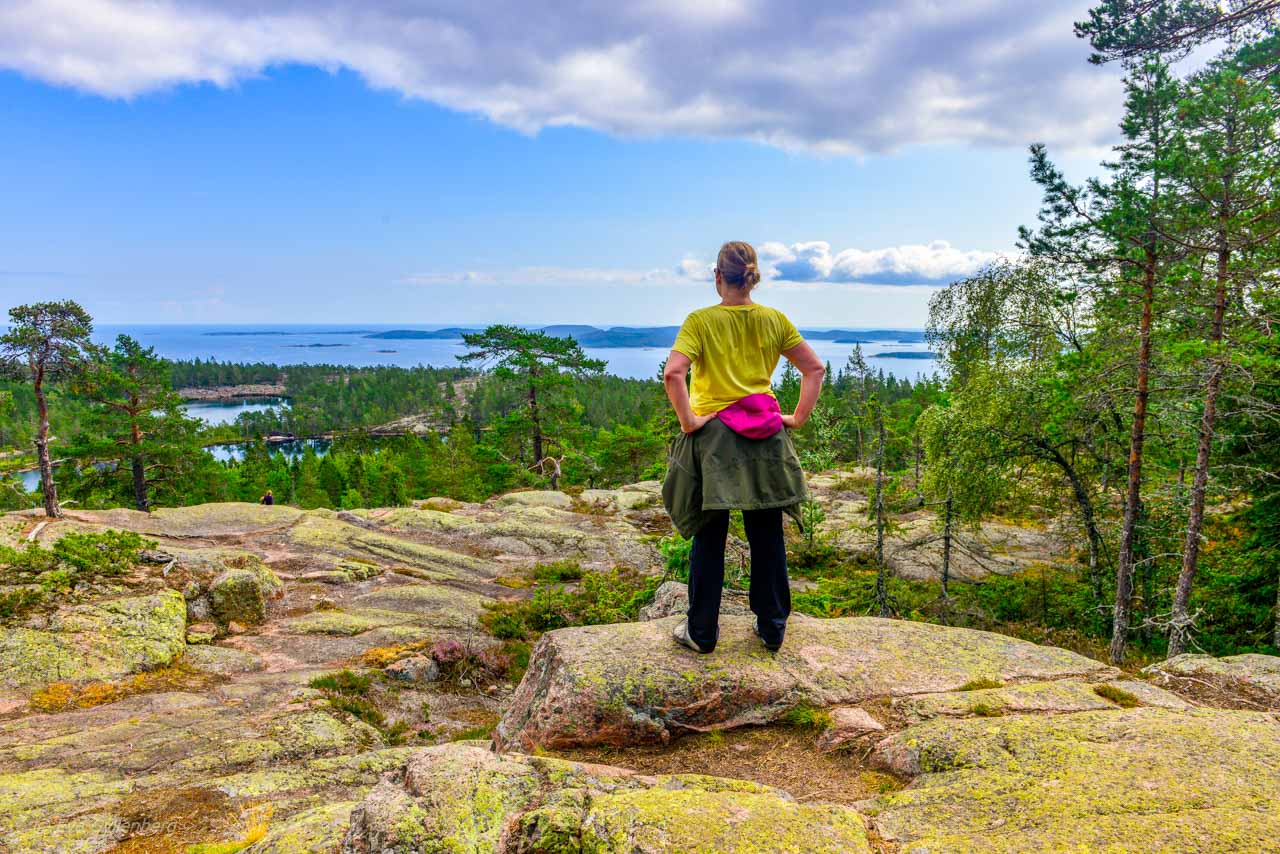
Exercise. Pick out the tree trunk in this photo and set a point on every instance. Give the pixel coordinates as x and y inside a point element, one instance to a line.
<point>138,463</point>
<point>1275,641</point>
<point>51,508</point>
<point>915,440</point>
<point>882,592</point>
<point>140,485</point>
<point>946,550</point>
<point>537,424</point>
<point>1133,493</point>
<point>1180,619</point>
<point>1087,515</point>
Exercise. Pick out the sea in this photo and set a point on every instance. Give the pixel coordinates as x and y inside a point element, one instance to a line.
<point>350,344</point>
<point>339,344</point>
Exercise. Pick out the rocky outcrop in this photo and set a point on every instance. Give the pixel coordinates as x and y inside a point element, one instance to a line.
<point>913,547</point>
<point>993,744</point>
<point>630,684</point>
<point>1136,780</point>
<point>102,640</point>
<point>1252,674</point>
<point>672,599</point>
<point>226,586</point>
<point>241,595</point>
<point>462,798</point>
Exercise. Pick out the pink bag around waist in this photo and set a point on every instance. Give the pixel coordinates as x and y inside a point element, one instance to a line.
<point>755,416</point>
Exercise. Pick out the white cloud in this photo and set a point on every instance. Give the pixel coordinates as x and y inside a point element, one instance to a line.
<point>810,264</point>
<point>936,263</point>
<point>827,75</point>
<point>543,276</point>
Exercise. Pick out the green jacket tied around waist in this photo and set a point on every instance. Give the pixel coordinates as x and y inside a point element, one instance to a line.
<point>716,469</point>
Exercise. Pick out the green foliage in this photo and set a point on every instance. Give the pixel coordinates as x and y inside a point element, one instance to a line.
<point>345,682</point>
<point>807,716</point>
<point>558,571</point>
<point>816,554</point>
<point>103,553</point>
<point>15,604</point>
<point>351,694</point>
<point>675,551</point>
<point>615,596</point>
<point>75,560</point>
<point>136,445</point>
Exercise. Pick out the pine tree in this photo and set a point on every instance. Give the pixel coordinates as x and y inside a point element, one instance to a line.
<point>46,342</point>
<point>136,429</point>
<point>544,367</point>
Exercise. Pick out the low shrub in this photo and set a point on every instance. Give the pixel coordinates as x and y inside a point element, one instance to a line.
<point>17,603</point>
<point>345,682</point>
<point>75,559</point>
<point>600,597</point>
<point>675,551</point>
<point>557,571</point>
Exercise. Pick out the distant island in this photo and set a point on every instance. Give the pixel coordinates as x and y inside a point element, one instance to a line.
<point>659,336</point>
<point>450,333</point>
<point>314,346</point>
<point>241,333</point>
<point>905,354</point>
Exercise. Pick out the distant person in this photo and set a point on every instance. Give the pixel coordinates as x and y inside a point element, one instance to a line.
<point>735,452</point>
<point>268,499</point>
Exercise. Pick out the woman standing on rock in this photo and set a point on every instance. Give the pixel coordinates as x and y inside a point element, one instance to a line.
<point>735,452</point>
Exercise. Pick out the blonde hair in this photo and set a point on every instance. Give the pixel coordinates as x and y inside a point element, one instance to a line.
<point>737,265</point>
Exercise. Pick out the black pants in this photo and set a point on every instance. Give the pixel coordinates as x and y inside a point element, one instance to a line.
<point>770,590</point>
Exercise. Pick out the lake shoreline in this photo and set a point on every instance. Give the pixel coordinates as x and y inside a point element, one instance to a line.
<point>232,392</point>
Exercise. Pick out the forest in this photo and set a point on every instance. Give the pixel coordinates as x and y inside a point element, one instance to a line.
<point>1119,374</point>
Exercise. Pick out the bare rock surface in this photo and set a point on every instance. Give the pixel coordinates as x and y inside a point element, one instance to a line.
<point>629,684</point>
<point>1141,779</point>
<point>463,798</point>
<point>849,724</point>
<point>1256,674</point>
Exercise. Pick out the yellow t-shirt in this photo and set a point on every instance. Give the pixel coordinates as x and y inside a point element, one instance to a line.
<point>734,350</point>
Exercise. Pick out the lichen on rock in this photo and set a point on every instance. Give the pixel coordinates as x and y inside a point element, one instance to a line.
<point>1139,779</point>
<point>96,641</point>
<point>630,684</point>
<point>462,798</point>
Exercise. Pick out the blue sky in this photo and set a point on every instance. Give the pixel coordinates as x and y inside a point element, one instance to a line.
<point>297,186</point>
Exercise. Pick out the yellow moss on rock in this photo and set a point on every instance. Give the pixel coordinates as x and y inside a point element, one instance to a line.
<point>99,641</point>
<point>318,829</point>
<point>695,820</point>
<point>1139,779</point>
<point>462,798</point>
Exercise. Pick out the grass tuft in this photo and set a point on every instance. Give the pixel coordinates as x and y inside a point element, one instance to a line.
<point>1117,695</point>
<point>806,716</point>
<point>982,684</point>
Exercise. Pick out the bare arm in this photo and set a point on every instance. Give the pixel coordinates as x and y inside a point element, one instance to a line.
<point>673,377</point>
<point>811,373</point>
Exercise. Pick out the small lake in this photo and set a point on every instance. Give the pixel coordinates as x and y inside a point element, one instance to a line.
<point>219,412</point>
<point>292,450</point>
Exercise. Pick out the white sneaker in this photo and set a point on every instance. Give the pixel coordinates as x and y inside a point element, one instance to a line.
<point>772,647</point>
<point>681,634</point>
